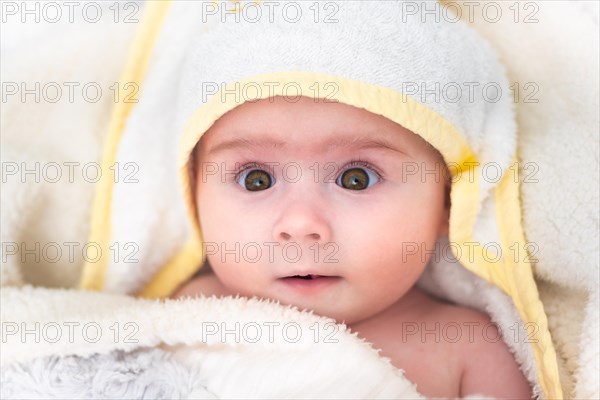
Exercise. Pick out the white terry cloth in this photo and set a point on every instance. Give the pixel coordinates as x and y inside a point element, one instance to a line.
<point>115,346</point>
<point>557,56</point>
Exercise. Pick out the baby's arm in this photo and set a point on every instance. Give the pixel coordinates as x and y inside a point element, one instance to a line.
<point>490,368</point>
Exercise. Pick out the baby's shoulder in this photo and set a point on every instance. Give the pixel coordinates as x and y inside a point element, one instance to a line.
<point>461,347</point>
<point>426,338</point>
<point>454,334</point>
<point>487,364</point>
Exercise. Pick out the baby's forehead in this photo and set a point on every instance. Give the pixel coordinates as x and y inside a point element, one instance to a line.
<point>279,123</point>
<point>300,111</point>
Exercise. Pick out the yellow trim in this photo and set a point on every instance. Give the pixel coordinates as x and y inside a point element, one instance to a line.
<point>93,274</point>
<point>519,275</point>
<point>516,276</point>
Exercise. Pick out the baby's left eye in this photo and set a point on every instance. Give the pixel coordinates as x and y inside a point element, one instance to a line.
<point>357,178</point>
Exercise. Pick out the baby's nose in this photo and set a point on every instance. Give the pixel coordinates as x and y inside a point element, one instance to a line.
<point>302,223</point>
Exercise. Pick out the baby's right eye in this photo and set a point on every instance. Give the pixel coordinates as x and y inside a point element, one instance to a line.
<point>254,180</point>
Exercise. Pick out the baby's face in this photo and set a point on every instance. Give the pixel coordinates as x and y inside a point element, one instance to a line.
<point>318,189</point>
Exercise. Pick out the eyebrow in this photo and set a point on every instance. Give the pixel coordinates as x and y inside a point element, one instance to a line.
<point>362,142</point>
<point>237,143</point>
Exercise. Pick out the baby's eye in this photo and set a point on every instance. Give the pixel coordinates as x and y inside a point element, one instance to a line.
<point>357,178</point>
<point>255,180</point>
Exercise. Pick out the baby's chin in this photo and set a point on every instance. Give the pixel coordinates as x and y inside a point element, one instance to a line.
<point>342,314</point>
<point>333,301</point>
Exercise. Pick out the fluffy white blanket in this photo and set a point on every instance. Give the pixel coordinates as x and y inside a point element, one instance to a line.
<point>112,346</point>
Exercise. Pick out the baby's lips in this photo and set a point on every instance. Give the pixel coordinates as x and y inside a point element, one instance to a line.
<point>305,285</point>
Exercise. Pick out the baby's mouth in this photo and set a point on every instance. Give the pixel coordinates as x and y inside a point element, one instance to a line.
<point>310,283</point>
<point>307,277</point>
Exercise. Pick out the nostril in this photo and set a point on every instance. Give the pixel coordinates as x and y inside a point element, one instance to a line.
<point>313,236</point>
<point>285,236</point>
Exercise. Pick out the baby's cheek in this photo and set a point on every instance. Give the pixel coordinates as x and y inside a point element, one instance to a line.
<point>233,275</point>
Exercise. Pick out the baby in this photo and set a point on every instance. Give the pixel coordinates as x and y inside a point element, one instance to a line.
<point>327,182</point>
